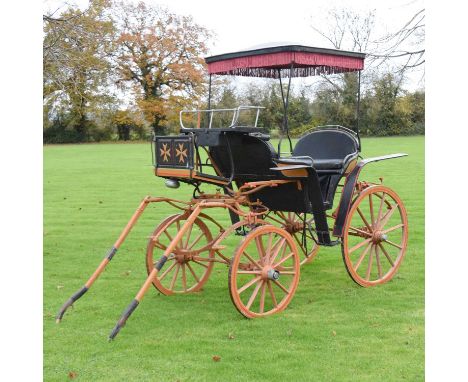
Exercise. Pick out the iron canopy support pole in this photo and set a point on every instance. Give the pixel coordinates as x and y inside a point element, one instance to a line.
<point>209,98</point>
<point>358,109</point>
<point>286,104</point>
<point>209,93</point>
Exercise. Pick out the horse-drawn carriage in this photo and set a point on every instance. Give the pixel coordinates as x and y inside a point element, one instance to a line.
<point>281,204</point>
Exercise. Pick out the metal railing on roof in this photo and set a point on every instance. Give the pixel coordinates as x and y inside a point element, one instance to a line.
<point>236,112</point>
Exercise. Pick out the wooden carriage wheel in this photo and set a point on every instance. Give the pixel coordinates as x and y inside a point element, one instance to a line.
<point>189,266</point>
<point>264,272</point>
<point>292,223</point>
<point>375,236</point>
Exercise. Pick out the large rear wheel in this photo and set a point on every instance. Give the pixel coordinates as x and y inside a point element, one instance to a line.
<point>375,236</point>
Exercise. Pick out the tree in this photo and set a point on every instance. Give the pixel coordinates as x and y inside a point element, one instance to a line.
<point>160,54</point>
<point>406,44</point>
<point>386,119</point>
<point>75,66</point>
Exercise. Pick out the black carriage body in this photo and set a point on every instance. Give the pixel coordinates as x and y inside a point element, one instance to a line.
<point>318,162</point>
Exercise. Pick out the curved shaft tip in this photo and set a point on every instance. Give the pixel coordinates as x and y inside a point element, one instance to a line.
<point>123,319</point>
<point>69,303</point>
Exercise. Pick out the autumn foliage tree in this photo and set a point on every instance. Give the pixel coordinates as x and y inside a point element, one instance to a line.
<point>161,55</point>
<point>75,64</point>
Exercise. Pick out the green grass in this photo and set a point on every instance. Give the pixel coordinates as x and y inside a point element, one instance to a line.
<point>333,330</point>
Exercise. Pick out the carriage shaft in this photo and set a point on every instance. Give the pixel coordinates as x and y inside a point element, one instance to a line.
<point>149,280</point>
<point>106,259</point>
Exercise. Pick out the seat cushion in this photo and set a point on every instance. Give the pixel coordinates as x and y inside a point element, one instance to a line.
<point>299,160</point>
<point>328,164</point>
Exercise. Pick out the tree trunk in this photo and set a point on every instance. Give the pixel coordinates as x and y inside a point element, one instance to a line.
<point>81,125</point>
<point>157,128</point>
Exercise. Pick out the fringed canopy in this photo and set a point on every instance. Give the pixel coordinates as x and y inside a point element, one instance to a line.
<point>285,61</point>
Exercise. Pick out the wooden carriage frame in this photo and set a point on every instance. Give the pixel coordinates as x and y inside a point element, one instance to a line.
<point>279,205</point>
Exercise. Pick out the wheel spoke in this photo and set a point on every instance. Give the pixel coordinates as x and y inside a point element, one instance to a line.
<point>276,220</point>
<point>357,246</point>
<point>299,244</point>
<point>369,265</point>
<point>363,255</point>
<point>196,241</point>
<point>387,216</point>
<point>203,265</point>
<point>386,255</point>
<point>159,245</point>
<point>189,232</point>
<point>361,231</point>
<point>382,201</point>
<point>249,272</point>
<point>393,228</point>
<point>274,248</point>
<point>262,297</point>
<point>249,284</point>
<point>272,294</point>
<point>364,219</point>
<point>174,278</point>
<point>393,244</point>
<point>371,209</point>
<point>288,256</point>
<point>377,259</point>
<point>170,238</point>
<point>267,254</point>
<point>277,251</point>
<point>280,213</point>
<point>281,286</point>
<point>193,273</point>
<point>252,260</point>
<point>254,295</point>
<point>167,271</point>
<point>260,249</point>
<point>184,277</point>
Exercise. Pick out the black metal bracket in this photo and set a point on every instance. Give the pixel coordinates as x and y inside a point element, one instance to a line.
<point>348,190</point>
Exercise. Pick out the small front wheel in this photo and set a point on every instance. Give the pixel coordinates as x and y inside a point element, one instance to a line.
<point>375,236</point>
<point>264,272</point>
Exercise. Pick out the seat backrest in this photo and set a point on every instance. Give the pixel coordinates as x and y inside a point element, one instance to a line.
<point>327,144</point>
<point>252,157</point>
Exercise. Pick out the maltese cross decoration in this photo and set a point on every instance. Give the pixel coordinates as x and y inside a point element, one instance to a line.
<point>181,152</point>
<point>165,152</point>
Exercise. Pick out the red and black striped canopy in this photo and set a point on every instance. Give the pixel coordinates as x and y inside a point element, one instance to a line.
<point>285,61</point>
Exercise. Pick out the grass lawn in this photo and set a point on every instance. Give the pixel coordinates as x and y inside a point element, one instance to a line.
<point>333,330</point>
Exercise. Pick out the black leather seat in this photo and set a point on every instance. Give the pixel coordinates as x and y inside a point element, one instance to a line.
<point>331,149</point>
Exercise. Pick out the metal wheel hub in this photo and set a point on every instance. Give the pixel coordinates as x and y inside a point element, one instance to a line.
<point>378,237</point>
<point>272,274</point>
<point>183,256</point>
